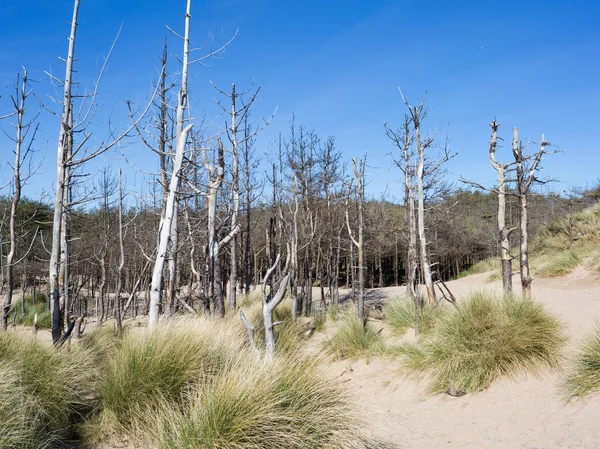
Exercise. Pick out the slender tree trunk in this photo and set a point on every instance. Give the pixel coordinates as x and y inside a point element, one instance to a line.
<point>235,200</point>
<point>425,267</point>
<point>503,231</point>
<point>63,142</point>
<point>166,225</point>
<point>121,265</point>
<point>10,257</point>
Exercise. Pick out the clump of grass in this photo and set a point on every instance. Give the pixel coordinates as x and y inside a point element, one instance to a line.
<point>583,374</point>
<point>266,406</point>
<point>319,320</point>
<point>352,341</point>
<point>482,266</point>
<point>32,306</point>
<point>560,264</point>
<point>400,314</point>
<point>487,338</point>
<point>334,311</point>
<point>151,371</point>
<point>52,390</point>
<point>495,276</point>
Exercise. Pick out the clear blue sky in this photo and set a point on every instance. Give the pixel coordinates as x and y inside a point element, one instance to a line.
<point>337,65</point>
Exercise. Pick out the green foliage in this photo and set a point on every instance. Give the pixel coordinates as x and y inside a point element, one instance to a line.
<point>560,264</point>
<point>352,341</point>
<point>583,373</point>
<point>43,393</point>
<point>400,314</point>
<point>485,339</point>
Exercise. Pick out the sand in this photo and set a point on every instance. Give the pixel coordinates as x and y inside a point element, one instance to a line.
<point>525,413</point>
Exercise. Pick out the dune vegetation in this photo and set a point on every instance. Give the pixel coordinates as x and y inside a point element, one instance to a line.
<point>485,339</point>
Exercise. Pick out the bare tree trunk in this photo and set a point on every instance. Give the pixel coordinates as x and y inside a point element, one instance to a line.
<point>294,251</point>
<point>235,200</point>
<point>359,173</point>
<point>270,302</point>
<point>121,265</point>
<point>166,225</point>
<point>503,231</point>
<point>63,142</point>
<point>425,267</point>
<point>19,103</point>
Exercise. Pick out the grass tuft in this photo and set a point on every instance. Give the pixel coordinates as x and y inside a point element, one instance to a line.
<point>45,391</point>
<point>151,371</point>
<point>484,340</point>
<point>483,266</point>
<point>560,264</point>
<point>400,314</point>
<point>352,341</point>
<point>32,306</point>
<point>266,406</point>
<point>583,373</point>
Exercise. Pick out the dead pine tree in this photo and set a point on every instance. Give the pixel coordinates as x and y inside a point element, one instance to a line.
<point>403,140</point>
<point>270,301</point>
<point>503,230</point>
<point>526,167</point>
<point>22,153</point>
<point>426,168</point>
<point>359,174</point>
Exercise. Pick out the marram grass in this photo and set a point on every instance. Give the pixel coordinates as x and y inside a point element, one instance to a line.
<point>400,314</point>
<point>352,341</point>
<point>560,264</point>
<point>486,339</point>
<point>583,372</point>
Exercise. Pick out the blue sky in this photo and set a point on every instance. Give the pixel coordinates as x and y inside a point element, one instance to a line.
<point>337,65</point>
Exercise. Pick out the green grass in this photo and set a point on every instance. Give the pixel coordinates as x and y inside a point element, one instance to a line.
<point>400,314</point>
<point>560,264</point>
<point>483,266</point>
<point>287,404</point>
<point>486,339</point>
<point>44,391</point>
<point>40,307</point>
<point>352,341</point>
<point>583,372</point>
<point>151,371</point>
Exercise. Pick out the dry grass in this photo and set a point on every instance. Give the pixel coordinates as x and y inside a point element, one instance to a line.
<point>352,341</point>
<point>583,372</point>
<point>485,339</point>
<point>400,314</point>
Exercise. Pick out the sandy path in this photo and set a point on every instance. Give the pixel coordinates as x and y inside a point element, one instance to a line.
<point>527,413</point>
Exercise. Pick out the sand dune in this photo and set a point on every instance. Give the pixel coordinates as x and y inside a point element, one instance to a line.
<point>526,413</point>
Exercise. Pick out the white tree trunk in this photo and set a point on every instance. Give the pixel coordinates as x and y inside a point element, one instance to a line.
<point>166,225</point>
<point>63,142</point>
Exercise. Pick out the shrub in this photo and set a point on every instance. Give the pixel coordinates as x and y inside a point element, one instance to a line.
<point>583,374</point>
<point>400,314</point>
<point>560,264</point>
<point>352,341</point>
<point>257,406</point>
<point>484,339</point>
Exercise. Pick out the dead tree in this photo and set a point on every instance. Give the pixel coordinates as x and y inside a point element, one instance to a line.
<point>503,230</point>
<point>270,302</point>
<point>359,174</point>
<point>403,140</point>
<point>526,167</point>
<point>169,220</point>
<point>21,155</point>
<point>121,265</point>
<point>426,168</point>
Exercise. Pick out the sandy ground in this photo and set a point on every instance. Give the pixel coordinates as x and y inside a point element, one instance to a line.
<point>527,413</point>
